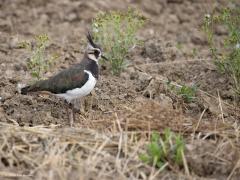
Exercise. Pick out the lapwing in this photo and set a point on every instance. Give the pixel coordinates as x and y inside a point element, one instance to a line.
<point>75,82</point>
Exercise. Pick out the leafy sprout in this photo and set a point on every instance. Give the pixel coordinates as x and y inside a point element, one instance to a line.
<point>38,63</point>
<point>164,149</point>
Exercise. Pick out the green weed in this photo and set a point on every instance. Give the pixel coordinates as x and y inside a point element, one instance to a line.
<point>164,150</point>
<point>187,93</point>
<point>116,32</point>
<point>226,57</point>
<point>179,46</point>
<point>38,63</point>
<point>194,52</point>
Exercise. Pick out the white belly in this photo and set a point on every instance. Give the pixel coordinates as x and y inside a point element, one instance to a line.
<point>80,92</point>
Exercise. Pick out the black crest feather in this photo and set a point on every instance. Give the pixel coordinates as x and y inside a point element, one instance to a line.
<point>90,39</point>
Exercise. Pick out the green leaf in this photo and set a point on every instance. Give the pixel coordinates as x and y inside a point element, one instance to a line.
<point>145,158</point>
<point>160,164</point>
<point>179,150</point>
<point>35,74</point>
<point>154,149</point>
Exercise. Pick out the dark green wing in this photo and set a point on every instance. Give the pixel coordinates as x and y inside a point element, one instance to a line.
<point>74,77</point>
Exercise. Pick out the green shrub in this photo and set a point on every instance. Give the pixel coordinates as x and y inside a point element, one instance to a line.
<point>116,32</point>
<point>38,63</point>
<point>226,57</point>
<point>164,150</point>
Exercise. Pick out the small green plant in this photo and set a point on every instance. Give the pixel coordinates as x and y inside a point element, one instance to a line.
<point>187,93</point>
<point>163,150</point>
<point>179,46</point>
<point>226,57</point>
<point>116,32</point>
<point>38,64</point>
<point>194,52</point>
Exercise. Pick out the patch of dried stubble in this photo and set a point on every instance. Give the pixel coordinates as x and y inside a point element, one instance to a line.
<point>73,153</point>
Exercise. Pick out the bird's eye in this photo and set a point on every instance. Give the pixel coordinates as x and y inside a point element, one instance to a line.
<point>96,53</point>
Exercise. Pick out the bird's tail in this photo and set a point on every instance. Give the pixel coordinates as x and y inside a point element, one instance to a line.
<point>25,90</point>
<point>38,86</point>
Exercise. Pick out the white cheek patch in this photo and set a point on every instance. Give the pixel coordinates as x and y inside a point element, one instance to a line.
<point>92,57</point>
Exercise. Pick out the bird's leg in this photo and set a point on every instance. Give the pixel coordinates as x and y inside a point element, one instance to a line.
<point>92,98</point>
<point>70,112</point>
<point>81,106</point>
<point>73,115</point>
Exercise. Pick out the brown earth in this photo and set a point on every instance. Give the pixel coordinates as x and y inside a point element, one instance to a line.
<point>135,103</point>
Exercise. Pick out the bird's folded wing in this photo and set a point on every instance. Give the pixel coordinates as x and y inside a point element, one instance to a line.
<point>62,82</point>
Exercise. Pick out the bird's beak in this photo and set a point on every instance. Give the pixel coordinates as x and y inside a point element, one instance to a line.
<point>104,57</point>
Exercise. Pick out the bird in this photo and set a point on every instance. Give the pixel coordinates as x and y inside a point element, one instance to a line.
<point>75,82</point>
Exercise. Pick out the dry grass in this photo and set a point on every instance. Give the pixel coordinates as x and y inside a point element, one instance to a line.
<point>70,153</point>
<point>82,153</point>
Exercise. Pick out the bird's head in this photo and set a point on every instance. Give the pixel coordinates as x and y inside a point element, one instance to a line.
<point>94,51</point>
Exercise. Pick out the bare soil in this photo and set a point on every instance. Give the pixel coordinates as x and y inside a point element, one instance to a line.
<point>114,122</point>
